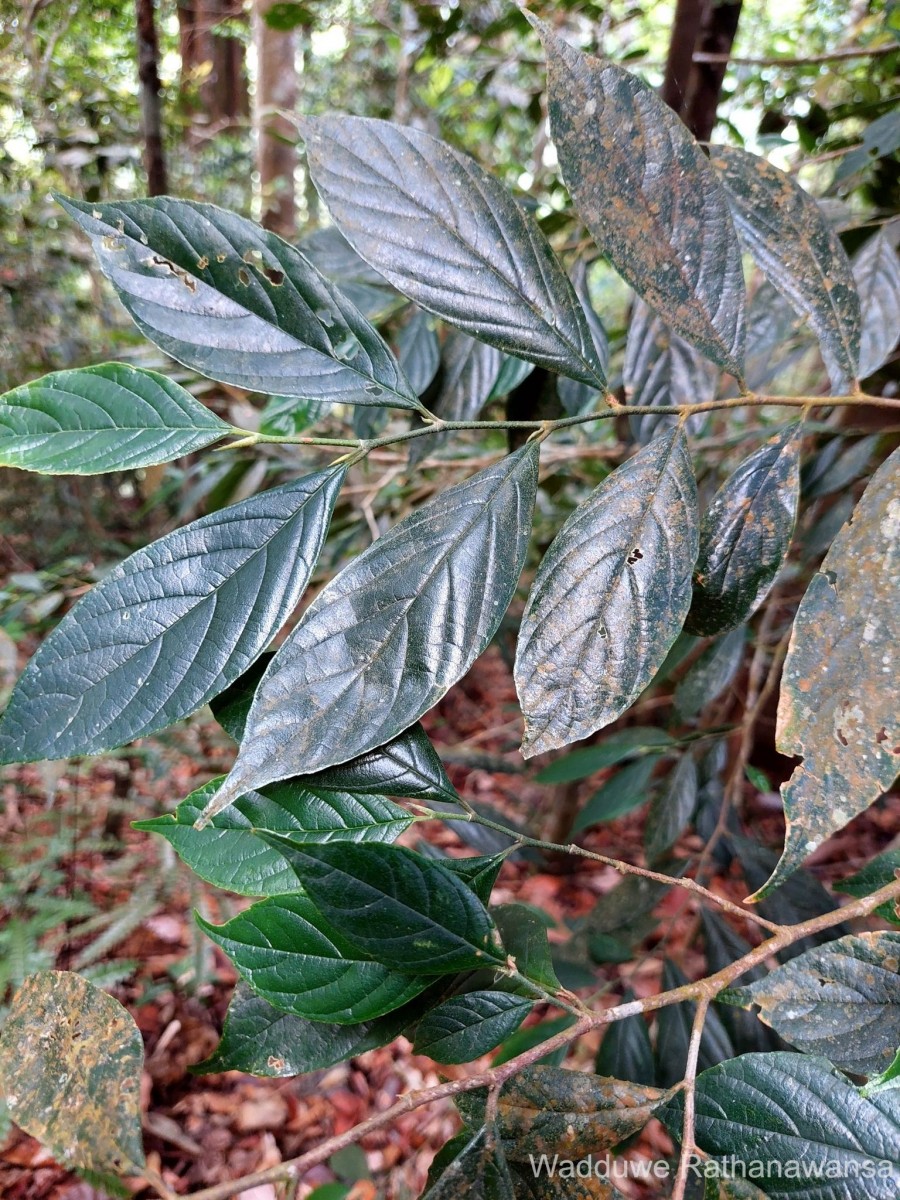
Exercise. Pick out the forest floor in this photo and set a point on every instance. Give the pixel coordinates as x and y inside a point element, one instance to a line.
<point>72,821</point>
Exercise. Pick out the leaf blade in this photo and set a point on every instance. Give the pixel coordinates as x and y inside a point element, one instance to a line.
<point>626,552</point>
<point>237,303</point>
<point>466,1027</point>
<point>170,626</point>
<point>455,209</point>
<point>110,417</point>
<point>798,251</point>
<point>424,624</point>
<point>649,198</point>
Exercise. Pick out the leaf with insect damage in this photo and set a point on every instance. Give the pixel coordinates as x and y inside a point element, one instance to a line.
<point>238,304</point>
<point>788,235</point>
<point>840,699</point>
<point>647,194</point>
<point>452,238</point>
<point>70,1070</point>
<point>609,598</point>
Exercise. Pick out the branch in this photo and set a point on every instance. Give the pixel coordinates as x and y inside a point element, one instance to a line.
<point>688,1145</point>
<point>805,60</point>
<point>703,992</point>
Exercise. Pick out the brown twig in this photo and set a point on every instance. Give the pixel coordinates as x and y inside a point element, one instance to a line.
<point>688,1145</point>
<point>702,991</point>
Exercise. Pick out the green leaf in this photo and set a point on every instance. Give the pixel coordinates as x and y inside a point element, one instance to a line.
<point>798,251</point>
<point>836,465</point>
<point>470,369</point>
<point>230,708</point>
<point>839,700</point>
<point>673,1033</point>
<point>479,871</point>
<point>524,938</point>
<point>293,957</point>
<point>393,631</point>
<point>876,270</point>
<point>626,1052</point>
<point>397,907</point>
<point>876,874</point>
<point>106,418</point>
<point>711,674</point>
<point>229,853</point>
<point>609,598</point>
<point>171,626</point>
<point>797,1112</point>
<point>465,1027</point>
<point>450,237</point>
<point>841,1000</point>
<point>647,194</point>
<point>524,1039</point>
<point>624,791</point>
<point>887,1079</point>
<point>880,139</point>
<point>616,748</point>
<point>512,372</point>
<point>262,1040</point>
<point>479,1172</point>
<point>723,947</point>
<point>238,304</point>
<point>286,415</point>
<point>671,809</point>
<point>547,1110</point>
<point>661,368</point>
<point>745,536</point>
<point>70,1068</point>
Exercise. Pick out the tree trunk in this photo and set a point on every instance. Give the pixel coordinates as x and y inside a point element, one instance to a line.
<point>151,108</point>
<point>692,89</point>
<point>276,137</point>
<point>222,99</point>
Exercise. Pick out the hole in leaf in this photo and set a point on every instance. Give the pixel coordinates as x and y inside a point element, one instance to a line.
<point>244,277</point>
<point>276,278</point>
<point>634,556</point>
<point>220,258</point>
<point>202,263</point>
<point>325,316</point>
<point>841,738</point>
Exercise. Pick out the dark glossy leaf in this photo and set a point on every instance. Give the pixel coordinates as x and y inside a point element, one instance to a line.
<point>790,238</point>
<point>723,947</point>
<point>671,809</point>
<point>711,674</point>
<point>470,371</point>
<point>797,1111</point>
<point>524,1039</point>
<point>547,1110</point>
<point>450,237</point>
<point>646,192</point>
<point>881,138</point>
<point>876,874</point>
<point>230,708</point>
<point>397,907</point>
<point>235,302</point>
<point>777,337</point>
<point>465,1027</point>
<point>799,898</point>
<point>841,1000</point>
<point>745,536</point>
<point>229,853</point>
<point>286,415</point>
<point>836,465</point>
<point>673,1033</point>
<point>661,368</point>
<point>617,747</point>
<point>626,1052</point>
<point>171,626</point>
<point>106,418</point>
<point>624,791</point>
<point>512,372</point>
<point>418,350</point>
<point>479,871</point>
<point>328,249</point>
<point>609,598</point>
<point>479,1171</point>
<point>524,938</point>
<point>70,1068</point>
<point>840,704</point>
<point>262,1040</point>
<point>625,909</point>
<point>393,631</point>
<point>876,269</point>
<point>293,957</point>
